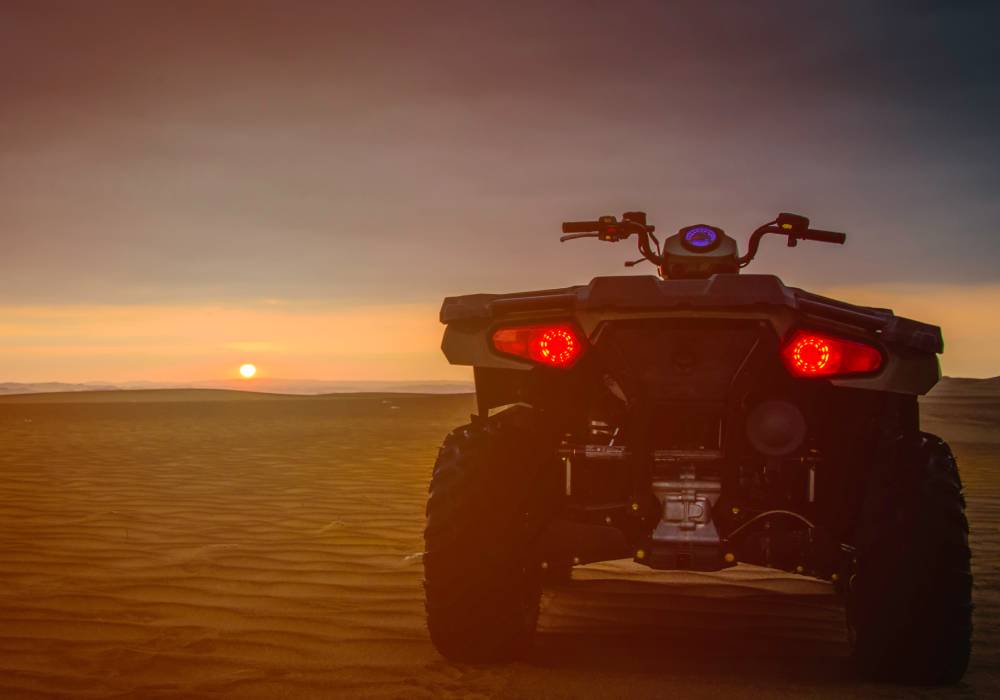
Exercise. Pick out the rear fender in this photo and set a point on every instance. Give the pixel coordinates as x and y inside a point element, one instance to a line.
<point>906,370</point>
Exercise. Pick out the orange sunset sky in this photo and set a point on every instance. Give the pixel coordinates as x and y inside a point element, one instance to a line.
<point>190,186</point>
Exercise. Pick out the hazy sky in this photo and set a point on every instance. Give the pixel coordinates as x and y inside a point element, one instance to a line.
<point>186,186</point>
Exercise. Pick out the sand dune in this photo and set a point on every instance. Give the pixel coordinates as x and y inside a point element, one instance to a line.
<point>198,546</point>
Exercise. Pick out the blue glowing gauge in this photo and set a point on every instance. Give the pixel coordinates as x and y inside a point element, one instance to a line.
<point>701,238</point>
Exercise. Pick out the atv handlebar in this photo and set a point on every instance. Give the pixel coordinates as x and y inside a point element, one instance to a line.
<point>581,226</point>
<point>796,228</point>
<point>610,229</point>
<point>815,234</point>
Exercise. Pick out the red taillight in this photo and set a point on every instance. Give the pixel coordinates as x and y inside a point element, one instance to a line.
<point>555,345</point>
<point>808,354</point>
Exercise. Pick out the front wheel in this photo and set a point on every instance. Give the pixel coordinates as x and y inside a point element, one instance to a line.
<point>909,602</point>
<point>485,507</point>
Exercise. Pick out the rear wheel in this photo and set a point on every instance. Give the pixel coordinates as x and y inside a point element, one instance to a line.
<point>486,505</point>
<point>910,599</point>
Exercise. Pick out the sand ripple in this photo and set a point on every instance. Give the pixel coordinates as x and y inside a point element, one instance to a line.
<point>265,549</point>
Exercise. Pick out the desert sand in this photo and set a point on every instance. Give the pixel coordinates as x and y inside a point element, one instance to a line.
<point>217,544</point>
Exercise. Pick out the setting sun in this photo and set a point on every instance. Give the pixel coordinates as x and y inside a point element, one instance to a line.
<point>248,370</point>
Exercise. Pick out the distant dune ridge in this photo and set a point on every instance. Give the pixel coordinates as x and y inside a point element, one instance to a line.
<point>48,387</point>
<point>961,386</point>
<point>260,384</point>
<point>206,543</point>
<point>306,387</point>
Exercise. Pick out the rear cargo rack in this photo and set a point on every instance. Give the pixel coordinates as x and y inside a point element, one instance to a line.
<point>543,302</point>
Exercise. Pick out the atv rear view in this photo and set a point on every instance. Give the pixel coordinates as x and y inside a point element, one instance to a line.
<point>695,421</point>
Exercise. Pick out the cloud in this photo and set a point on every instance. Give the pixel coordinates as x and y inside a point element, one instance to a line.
<point>160,165</point>
<point>198,153</point>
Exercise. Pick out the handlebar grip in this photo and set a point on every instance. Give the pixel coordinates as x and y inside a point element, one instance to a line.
<point>815,234</point>
<point>580,226</point>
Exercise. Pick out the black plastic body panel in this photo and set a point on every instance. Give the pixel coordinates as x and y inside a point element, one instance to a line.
<point>717,292</point>
<point>910,346</point>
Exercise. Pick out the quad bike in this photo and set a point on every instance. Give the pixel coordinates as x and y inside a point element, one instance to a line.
<point>694,422</point>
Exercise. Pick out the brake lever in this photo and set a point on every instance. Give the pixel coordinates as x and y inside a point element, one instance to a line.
<point>571,236</point>
<point>633,263</point>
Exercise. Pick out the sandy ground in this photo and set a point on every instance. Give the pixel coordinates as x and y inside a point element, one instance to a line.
<point>181,544</point>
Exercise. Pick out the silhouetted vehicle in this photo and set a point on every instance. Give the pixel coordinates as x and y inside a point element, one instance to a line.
<point>693,422</point>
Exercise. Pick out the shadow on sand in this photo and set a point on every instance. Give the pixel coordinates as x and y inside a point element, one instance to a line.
<point>754,627</point>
